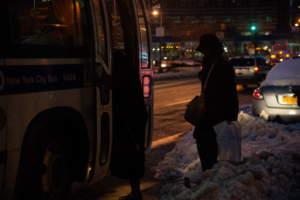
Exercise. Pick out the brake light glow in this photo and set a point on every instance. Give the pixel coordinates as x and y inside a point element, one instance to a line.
<point>147,86</point>
<point>257,94</point>
<point>201,68</point>
<point>256,69</point>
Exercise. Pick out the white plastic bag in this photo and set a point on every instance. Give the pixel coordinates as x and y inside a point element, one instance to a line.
<point>229,141</point>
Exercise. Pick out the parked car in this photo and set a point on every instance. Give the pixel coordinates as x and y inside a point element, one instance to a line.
<point>250,69</point>
<point>274,100</point>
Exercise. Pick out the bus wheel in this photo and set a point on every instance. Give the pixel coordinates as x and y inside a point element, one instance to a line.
<point>55,175</point>
<point>51,171</point>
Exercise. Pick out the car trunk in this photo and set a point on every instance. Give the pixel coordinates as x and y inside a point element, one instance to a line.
<point>280,96</point>
<point>244,71</point>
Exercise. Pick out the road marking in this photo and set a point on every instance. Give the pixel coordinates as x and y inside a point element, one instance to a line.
<point>166,140</point>
<point>178,103</point>
<point>195,87</point>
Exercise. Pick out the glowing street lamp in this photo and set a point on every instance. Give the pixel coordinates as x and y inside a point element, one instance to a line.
<point>158,13</point>
<point>155,12</point>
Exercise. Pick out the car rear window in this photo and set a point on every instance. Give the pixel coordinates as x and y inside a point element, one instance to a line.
<point>242,62</point>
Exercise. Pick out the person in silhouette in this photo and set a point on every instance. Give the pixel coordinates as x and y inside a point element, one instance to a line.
<point>129,125</point>
<point>221,98</point>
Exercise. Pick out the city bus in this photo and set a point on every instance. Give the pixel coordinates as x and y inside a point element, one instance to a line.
<point>179,55</point>
<point>59,66</point>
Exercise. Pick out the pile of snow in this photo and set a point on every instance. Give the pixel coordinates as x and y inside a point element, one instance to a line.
<point>270,167</point>
<point>285,73</point>
<point>182,74</point>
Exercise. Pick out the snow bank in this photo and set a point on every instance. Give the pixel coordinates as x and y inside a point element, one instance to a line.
<point>285,73</point>
<point>270,167</point>
<point>182,74</point>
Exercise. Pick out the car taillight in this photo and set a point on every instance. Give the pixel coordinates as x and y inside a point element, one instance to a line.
<point>256,70</point>
<point>201,68</point>
<point>147,86</point>
<point>287,55</point>
<point>257,94</point>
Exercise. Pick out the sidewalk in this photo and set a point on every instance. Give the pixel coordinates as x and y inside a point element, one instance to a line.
<point>111,188</point>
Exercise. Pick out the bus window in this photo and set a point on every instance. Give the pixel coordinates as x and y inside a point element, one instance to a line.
<point>101,37</point>
<point>144,43</point>
<point>166,55</point>
<point>118,42</point>
<point>175,54</point>
<point>47,22</point>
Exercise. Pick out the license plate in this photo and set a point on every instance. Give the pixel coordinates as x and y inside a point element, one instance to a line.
<point>238,71</point>
<point>289,100</point>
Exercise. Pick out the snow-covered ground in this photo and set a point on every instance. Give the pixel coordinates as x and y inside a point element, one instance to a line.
<point>191,73</point>
<point>270,167</point>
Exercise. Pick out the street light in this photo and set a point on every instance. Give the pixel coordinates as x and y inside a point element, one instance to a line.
<point>156,13</point>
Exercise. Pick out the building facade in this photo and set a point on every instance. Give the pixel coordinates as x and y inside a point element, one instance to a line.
<point>238,23</point>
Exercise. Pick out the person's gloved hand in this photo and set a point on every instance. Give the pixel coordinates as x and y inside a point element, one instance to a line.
<point>297,94</point>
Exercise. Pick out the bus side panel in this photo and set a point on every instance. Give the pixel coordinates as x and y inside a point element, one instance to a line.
<point>23,108</point>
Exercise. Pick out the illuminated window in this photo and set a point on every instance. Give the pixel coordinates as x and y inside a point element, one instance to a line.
<point>246,18</point>
<point>229,19</point>
<point>210,19</point>
<point>174,19</point>
<point>192,19</point>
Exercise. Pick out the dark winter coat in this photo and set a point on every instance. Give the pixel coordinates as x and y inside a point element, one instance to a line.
<point>221,94</point>
<point>129,112</point>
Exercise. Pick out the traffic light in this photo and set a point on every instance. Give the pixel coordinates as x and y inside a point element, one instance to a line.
<point>253,28</point>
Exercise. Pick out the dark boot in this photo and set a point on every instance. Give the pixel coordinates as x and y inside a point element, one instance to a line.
<point>135,193</point>
<point>132,196</point>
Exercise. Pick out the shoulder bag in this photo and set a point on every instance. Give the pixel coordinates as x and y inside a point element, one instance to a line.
<point>195,111</point>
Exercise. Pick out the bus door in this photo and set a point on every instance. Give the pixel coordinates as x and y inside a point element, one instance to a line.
<point>146,72</point>
<point>127,92</point>
<point>103,92</point>
<point>2,102</point>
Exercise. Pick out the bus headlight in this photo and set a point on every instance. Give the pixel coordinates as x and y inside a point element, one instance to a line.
<point>2,118</point>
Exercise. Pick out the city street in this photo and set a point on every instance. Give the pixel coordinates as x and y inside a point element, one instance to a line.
<point>170,99</point>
